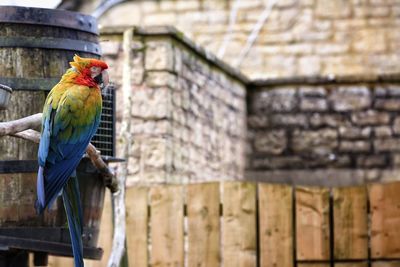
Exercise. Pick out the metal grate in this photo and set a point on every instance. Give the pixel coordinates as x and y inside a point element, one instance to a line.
<point>105,135</point>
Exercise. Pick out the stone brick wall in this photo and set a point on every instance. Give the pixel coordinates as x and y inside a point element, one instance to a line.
<point>301,37</point>
<point>188,112</point>
<point>346,125</point>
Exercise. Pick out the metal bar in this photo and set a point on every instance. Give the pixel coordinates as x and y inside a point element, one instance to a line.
<point>51,43</point>
<point>30,84</point>
<point>48,17</point>
<point>18,166</point>
<point>49,247</point>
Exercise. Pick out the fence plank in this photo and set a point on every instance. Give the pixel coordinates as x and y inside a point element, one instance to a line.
<point>385,220</point>
<point>136,225</point>
<point>350,222</point>
<point>352,264</point>
<point>239,224</point>
<point>166,222</point>
<point>312,223</point>
<point>276,225</point>
<point>203,212</point>
<point>386,264</point>
<point>313,265</point>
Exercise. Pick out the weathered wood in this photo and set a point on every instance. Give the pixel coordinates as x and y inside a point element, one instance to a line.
<point>350,222</point>
<point>166,223</point>
<point>386,264</point>
<point>385,220</point>
<point>239,224</point>
<point>312,223</point>
<point>136,225</point>
<point>275,225</point>
<point>105,235</point>
<point>21,104</point>
<point>352,264</point>
<point>203,213</point>
<point>313,265</point>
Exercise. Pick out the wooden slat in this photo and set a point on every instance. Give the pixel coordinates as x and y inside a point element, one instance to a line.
<point>386,264</point>
<point>312,223</point>
<point>105,234</point>
<point>166,224</point>
<point>136,225</point>
<point>239,224</point>
<point>352,264</point>
<point>385,220</point>
<point>313,265</point>
<point>350,222</point>
<point>203,212</point>
<point>276,225</point>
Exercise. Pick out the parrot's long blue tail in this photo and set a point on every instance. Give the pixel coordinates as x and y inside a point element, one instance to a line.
<point>73,209</point>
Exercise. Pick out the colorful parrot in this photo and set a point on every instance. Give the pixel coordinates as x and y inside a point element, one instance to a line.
<point>71,115</point>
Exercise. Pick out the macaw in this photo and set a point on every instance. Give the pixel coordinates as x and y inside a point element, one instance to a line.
<point>71,115</point>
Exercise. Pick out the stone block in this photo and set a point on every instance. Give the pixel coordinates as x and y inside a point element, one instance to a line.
<point>283,162</point>
<point>328,120</point>
<point>271,142</point>
<point>309,65</point>
<point>370,117</point>
<point>156,153</point>
<point>150,103</point>
<point>392,90</point>
<point>313,91</point>
<point>351,132</point>
<point>369,41</point>
<point>396,125</point>
<point>313,104</point>
<point>320,142</point>
<point>159,55</point>
<point>350,98</point>
<point>333,8</point>
<point>355,146</point>
<point>161,79</point>
<point>287,120</point>
<point>387,145</point>
<point>258,121</point>
<point>279,99</point>
<point>388,104</point>
<point>371,161</point>
<point>383,131</point>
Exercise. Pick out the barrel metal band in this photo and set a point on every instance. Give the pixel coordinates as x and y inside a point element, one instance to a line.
<point>48,17</point>
<point>30,84</point>
<point>51,43</point>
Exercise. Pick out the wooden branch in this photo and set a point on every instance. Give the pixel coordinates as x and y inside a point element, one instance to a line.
<point>118,246</point>
<point>12,127</point>
<point>21,128</point>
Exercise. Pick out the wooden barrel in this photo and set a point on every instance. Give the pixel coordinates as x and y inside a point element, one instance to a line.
<point>36,46</point>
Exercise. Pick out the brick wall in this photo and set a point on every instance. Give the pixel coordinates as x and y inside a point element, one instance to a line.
<point>348,125</point>
<point>302,37</point>
<point>188,111</point>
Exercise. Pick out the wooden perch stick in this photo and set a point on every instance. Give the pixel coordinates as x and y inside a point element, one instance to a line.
<point>22,128</point>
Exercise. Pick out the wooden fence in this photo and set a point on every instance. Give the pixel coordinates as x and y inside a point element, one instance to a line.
<point>246,224</point>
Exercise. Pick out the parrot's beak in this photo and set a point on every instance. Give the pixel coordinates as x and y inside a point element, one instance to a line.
<point>105,78</point>
<point>102,79</point>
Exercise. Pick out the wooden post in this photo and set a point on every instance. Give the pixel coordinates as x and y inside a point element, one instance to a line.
<point>239,237</point>
<point>203,212</point>
<point>276,225</point>
<point>312,223</point>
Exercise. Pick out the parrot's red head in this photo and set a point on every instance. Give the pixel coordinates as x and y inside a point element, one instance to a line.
<point>91,72</point>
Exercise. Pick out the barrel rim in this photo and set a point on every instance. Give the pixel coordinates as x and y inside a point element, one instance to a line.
<point>48,17</point>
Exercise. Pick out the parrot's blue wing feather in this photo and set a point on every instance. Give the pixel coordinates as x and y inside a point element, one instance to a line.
<point>72,204</point>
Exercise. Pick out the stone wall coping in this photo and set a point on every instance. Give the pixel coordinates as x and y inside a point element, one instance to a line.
<point>325,80</point>
<point>325,177</point>
<point>177,35</point>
